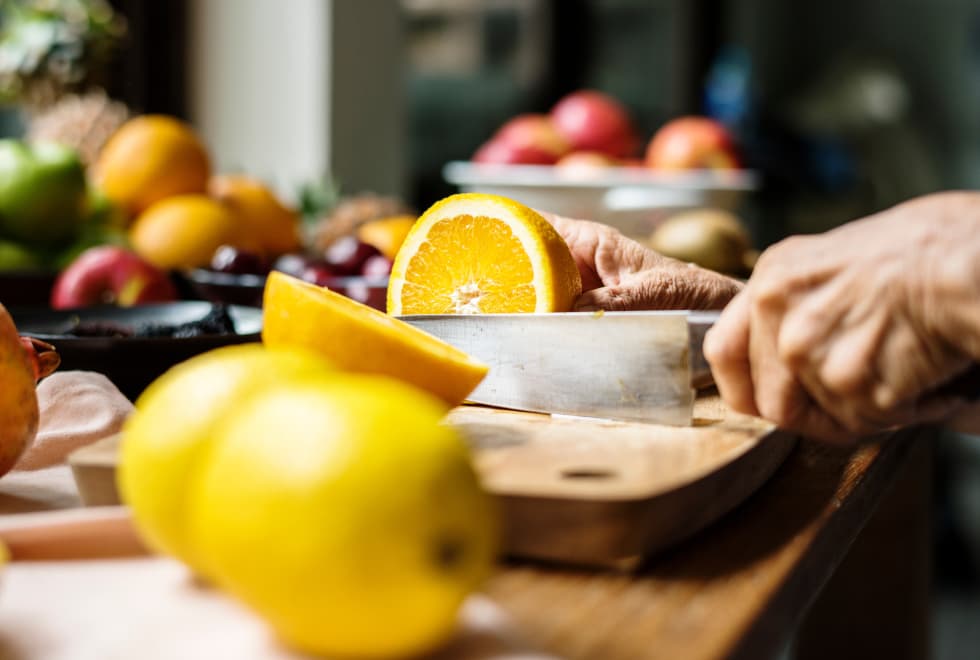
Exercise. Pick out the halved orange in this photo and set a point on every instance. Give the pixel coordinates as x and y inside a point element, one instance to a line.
<point>475,253</point>
<point>356,337</point>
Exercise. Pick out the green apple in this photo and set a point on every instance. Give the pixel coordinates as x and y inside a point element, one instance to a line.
<point>14,256</point>
<point>42,192</point>
<point>103,212</point>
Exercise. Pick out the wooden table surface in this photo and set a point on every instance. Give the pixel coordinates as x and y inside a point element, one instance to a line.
<point>738,589</point>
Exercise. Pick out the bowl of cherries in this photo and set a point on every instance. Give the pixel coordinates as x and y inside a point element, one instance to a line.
<point>348,266</point>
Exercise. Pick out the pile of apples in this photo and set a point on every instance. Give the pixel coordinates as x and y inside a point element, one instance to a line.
<point>589,130</point>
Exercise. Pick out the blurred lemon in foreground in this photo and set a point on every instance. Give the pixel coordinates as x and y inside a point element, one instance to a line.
<point>358,338</point>
<point>172,427</point>
<point>150,158</point>
<point>184,231</point>
<point>270,225</point>
<point>346,514</point>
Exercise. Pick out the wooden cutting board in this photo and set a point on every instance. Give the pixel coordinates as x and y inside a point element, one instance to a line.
<point>579,490</point>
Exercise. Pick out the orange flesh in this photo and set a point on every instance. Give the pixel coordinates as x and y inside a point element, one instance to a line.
<point>497,277</point>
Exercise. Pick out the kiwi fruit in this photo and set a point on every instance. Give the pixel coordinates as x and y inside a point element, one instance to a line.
<point>711,238</point>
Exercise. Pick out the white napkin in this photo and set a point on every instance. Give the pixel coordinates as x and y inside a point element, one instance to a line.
<point>77,409</point>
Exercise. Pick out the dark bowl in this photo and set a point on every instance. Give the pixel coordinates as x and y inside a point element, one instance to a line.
<point>248,289</point>
<point>132,363</point>
<point>19,288</point>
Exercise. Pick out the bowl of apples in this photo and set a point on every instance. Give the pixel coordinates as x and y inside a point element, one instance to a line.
<point>348,266</point>
<point>586,158</point>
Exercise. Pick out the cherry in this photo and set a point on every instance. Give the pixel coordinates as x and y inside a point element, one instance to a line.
<point>376,266</point>
<point>229,259</point>
<point>320,274</point>
<point>292,264</point>
<point>347,255</point>
<point>362,291</point>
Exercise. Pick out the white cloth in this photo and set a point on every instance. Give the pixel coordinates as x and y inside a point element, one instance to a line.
<point>77,409</point>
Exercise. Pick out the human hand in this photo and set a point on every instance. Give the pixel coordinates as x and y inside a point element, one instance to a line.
<point>620,274</point>
<point>848,332</point>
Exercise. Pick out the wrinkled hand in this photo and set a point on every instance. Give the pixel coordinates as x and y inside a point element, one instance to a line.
<point>620,274</point>
<point>846,333</point>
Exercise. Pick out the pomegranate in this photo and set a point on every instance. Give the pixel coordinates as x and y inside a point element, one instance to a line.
<point>18,400</point>
<point>42,355</point>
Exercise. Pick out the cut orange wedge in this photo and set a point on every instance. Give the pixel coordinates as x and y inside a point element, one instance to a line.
<point>356,337</point>
<point>482,254</point>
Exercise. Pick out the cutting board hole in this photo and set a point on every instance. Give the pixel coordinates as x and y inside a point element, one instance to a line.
<point>588,473</point>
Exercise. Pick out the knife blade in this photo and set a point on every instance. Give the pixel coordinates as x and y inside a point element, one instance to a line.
<point>638,366</point>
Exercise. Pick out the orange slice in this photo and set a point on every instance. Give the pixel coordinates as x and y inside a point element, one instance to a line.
<point>356,337</point>
<point>482,254</point>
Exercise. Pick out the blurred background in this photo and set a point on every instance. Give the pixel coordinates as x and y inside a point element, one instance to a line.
<point>837,110</point>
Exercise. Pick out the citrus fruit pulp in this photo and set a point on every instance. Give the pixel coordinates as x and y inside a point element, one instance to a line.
<point>343,511</point>
<point>475,253</point>
<point>358,338</point>
<point>172,425</point>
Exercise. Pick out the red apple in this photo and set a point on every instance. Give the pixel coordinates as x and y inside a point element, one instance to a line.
<point>585,163</point>
<point>527,139</point>
<point>593,121</point>
<point>110,274</point>
<point>690,143</point>
<point>534,129</point>
<point>497,152</point>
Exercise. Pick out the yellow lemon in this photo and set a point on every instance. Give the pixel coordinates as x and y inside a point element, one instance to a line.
<point>477,254</point>
<point>386,234</point>
<point>346,514</point>
<point>149,158</point>
<point>358,338</point>
<point>184,231</point>
<point>172,426</point>
<point>270,224</point>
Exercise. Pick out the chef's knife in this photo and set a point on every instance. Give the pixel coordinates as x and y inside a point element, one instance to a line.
<point>617,365</point>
